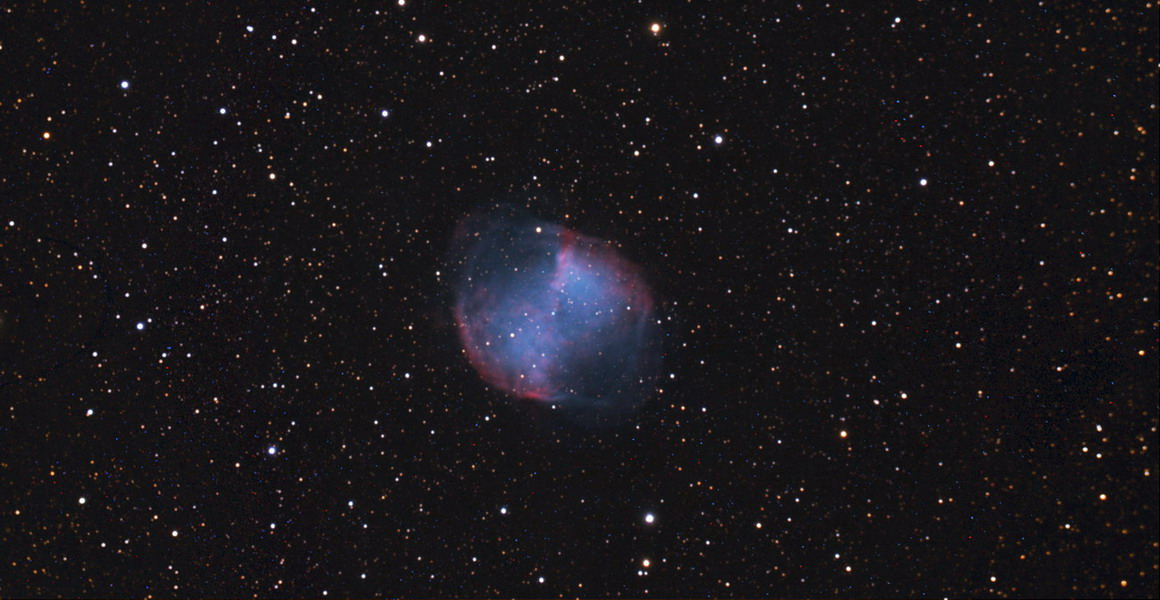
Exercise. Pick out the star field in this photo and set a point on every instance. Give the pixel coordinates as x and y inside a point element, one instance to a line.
<point>903,257</point>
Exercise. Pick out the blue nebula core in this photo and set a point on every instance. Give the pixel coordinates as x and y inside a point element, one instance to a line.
<point>548,314</point>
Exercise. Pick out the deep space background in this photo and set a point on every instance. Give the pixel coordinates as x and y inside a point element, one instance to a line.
<point>904,256</point>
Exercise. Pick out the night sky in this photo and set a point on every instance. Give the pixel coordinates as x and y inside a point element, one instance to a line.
<point>902,259</point>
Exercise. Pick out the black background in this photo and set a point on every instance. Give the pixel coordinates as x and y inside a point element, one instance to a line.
<point>931,226</point>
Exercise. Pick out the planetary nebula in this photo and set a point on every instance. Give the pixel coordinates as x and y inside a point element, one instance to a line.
<point>549,314</point>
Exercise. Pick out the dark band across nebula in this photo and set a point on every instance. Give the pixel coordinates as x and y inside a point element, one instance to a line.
<point>547,313</point>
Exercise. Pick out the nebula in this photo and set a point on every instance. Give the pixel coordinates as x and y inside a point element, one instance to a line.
<point>549,314</point>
